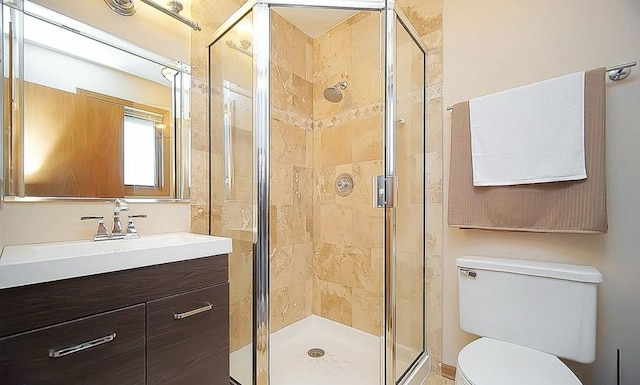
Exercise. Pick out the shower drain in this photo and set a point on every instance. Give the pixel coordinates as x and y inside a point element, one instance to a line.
<point>315,352</point>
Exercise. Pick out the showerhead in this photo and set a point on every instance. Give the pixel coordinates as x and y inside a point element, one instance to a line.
<point>122,7</point>
<point>334,94</point>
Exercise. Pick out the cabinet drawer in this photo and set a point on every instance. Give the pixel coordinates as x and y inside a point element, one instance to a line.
<point>107,349</point>
<point>188,338</point>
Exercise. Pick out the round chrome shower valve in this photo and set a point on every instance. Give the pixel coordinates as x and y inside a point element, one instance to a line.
<point>344,185</point>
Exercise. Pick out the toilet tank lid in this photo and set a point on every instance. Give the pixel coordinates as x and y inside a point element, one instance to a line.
<point>579,273</point>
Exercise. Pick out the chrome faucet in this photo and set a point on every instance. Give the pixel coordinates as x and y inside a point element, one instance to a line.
<point>119,205</point>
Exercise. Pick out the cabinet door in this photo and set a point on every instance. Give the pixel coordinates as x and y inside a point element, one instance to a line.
<point>188,338</point>
<point>104,349</point>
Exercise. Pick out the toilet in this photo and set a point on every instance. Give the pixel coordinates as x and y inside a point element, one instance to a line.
<point>528,315</point>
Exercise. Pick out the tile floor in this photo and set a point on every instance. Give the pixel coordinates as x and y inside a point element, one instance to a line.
<point>435,379</point>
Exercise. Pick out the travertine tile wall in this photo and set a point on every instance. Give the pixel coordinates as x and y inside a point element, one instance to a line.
<point>348,231</point>
<point>291,254</point>
<point>326,250</point>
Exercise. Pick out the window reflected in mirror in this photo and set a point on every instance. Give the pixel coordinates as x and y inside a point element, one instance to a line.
<point>145,152</point>
<point>140,152</point>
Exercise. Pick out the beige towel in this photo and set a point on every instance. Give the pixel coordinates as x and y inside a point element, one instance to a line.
<point>565,207</point>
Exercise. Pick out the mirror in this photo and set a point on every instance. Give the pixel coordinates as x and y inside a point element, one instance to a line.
<point>89,115</point>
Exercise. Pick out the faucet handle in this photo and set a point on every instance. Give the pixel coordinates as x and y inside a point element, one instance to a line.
<point>101,233</point>
<point>132,232</point>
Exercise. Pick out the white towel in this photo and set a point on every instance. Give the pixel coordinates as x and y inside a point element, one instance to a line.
<point>529,134</point>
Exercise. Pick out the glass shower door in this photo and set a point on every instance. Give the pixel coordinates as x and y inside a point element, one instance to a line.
<point>232,174</point>
<point>408,235</point>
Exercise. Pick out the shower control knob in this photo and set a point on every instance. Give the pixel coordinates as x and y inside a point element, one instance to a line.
<point>344,185</point>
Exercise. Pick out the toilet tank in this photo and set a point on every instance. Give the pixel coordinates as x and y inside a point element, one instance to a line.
<point>546,306</point>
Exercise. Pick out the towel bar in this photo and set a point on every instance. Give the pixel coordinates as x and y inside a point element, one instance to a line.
<point>615,73</point>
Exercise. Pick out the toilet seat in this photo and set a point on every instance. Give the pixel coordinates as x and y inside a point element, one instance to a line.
<point>492,362</point>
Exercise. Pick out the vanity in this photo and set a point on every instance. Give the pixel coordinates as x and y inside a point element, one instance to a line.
<point>152,310</point>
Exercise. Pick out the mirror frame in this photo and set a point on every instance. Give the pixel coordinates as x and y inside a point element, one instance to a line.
<point>180,179</point>
<point>2,112</point>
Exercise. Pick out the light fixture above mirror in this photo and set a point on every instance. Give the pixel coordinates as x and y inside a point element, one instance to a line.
<point>173,9</point>
<point>122,7</point>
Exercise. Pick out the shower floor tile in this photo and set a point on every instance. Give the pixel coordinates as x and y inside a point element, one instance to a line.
<point>352,357</point>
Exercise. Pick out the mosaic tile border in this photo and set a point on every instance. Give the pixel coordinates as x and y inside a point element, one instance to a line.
<point>292,118</point>
<point>349,116</point>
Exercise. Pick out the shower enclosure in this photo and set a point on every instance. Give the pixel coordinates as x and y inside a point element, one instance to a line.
<point>317,116</point>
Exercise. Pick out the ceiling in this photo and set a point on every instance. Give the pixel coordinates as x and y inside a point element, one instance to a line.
<point>314,22</point>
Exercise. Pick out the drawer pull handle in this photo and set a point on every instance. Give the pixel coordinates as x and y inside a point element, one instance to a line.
<point>53,353</point>
<point>192,312</point>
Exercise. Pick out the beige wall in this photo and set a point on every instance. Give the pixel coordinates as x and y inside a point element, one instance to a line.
<point>56,222</point>
<point>496,45</point>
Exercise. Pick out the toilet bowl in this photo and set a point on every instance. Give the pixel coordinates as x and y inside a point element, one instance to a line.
<point>528,314</point>
<point>486,361</point>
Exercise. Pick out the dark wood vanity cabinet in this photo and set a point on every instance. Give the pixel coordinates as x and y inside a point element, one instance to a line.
<point>188,338</point>
<point>163,324</point>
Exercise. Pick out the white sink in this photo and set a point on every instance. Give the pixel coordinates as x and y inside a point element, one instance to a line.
<point>29,264</point>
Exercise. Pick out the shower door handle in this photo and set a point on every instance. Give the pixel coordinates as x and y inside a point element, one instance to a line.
<point>384,191</point>
<point>378,191</point>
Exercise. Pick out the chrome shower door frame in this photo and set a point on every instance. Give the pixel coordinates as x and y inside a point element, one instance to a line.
<point>390,144</point>
<point>261,188</point>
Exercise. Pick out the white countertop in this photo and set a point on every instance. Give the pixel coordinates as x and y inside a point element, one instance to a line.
<point>37,263</point>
